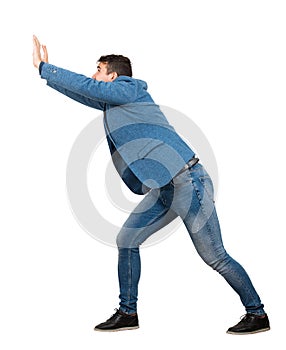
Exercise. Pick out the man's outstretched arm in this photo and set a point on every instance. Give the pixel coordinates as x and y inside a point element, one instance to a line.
<point>40,57</point>
<point>121,91</point>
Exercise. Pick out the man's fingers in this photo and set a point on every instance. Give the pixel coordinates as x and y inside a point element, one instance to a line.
<point>36,41</point>
<point>40,52</point>
<point>45,51</point>
<point>36,51</point>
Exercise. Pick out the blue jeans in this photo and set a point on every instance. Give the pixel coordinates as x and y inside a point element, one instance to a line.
<point>190,196</point>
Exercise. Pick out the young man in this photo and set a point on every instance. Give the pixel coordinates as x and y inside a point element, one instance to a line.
<point>152,159</point>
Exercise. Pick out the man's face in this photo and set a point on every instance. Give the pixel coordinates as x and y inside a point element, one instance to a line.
<point>101,73</point>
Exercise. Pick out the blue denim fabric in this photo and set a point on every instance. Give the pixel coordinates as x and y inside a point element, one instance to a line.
<point>146,144</point>
<point>149,152</point>
<point>190,196</point>
<point>123,90</point>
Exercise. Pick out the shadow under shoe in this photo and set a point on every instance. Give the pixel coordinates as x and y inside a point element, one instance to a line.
<point>118,322</point>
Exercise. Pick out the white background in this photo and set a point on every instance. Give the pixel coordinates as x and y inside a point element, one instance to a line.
<point>220,62</point>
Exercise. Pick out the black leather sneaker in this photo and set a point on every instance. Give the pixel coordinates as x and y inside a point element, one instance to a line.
<point>118,322</point>
<point>250,324</point>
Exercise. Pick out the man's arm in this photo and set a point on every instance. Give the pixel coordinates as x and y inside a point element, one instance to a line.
<point>39,60</point>
<point>78,98</point>
<point>121,91</point>
<point>81,88</point>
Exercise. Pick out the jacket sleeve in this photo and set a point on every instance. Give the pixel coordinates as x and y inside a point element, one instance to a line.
<point>77,97</point>
<point>121,91</point>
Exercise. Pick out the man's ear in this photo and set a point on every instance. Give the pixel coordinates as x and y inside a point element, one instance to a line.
<point>113,76</point>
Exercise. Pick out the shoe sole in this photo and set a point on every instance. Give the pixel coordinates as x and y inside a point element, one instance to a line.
<point>116,330</point>
<point>253,332</point>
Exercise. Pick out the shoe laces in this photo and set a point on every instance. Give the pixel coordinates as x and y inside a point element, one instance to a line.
<point>116,311</point>
<point>246,317</point>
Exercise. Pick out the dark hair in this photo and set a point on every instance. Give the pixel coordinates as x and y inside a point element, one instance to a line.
<point>117,63</point>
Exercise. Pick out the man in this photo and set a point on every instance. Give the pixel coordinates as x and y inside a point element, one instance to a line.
<point>152,159</point>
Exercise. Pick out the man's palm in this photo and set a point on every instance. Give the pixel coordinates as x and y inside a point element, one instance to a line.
<point>37,56</point>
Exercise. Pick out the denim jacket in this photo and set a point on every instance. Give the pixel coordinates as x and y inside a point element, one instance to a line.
<point>146,150</point>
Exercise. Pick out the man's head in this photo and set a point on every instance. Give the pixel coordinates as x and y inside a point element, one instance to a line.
<point>112,66</point>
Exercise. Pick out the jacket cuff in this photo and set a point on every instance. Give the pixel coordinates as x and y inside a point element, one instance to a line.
<point>40,67</point>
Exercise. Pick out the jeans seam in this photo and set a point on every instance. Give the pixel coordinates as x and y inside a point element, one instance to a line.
<point>206,215</point>
<point>129,278</point>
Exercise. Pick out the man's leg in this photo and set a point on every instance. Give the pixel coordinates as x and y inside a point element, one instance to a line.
<point>147,218</point>
<point>194,203</point>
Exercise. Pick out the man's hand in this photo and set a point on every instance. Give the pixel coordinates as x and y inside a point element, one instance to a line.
<point>37,56</point>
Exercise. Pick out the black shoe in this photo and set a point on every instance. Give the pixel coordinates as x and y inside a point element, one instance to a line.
<point>250,324</point>
<point>118,322</point>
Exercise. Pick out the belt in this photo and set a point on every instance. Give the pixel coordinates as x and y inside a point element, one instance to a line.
<point>187,166</point>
